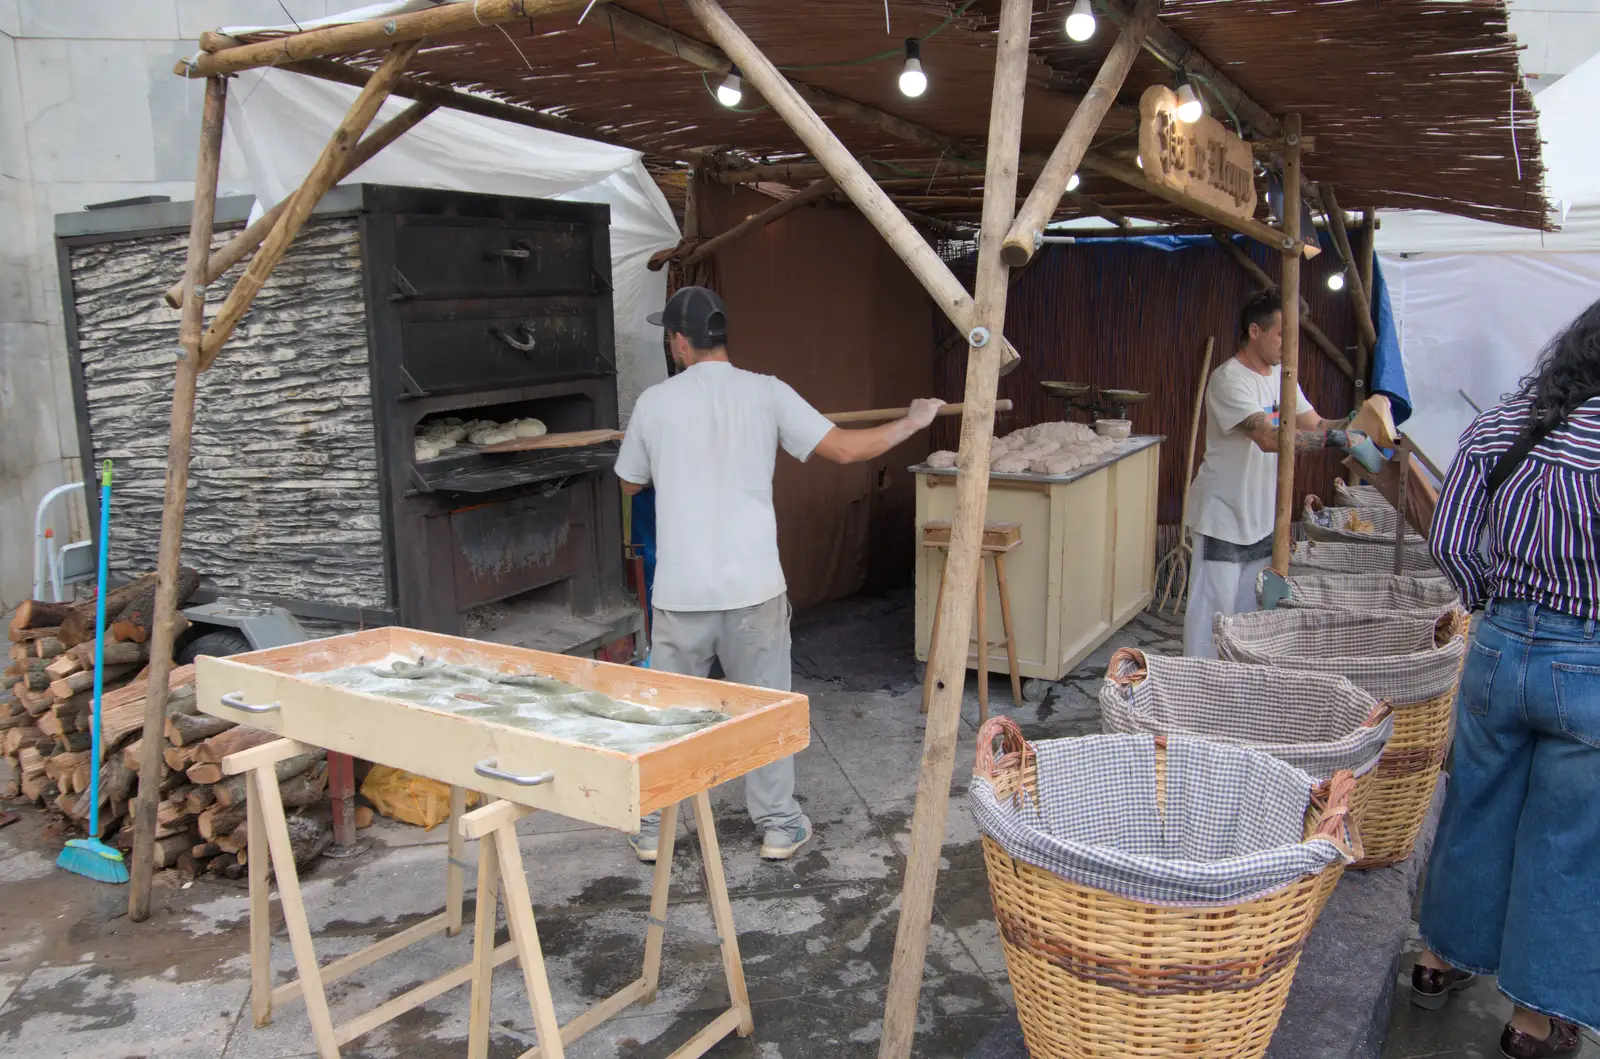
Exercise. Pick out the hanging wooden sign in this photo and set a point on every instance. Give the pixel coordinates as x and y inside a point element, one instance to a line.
<point>1203,160</point>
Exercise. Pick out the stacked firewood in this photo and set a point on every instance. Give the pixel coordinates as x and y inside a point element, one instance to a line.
<point>46,725</point>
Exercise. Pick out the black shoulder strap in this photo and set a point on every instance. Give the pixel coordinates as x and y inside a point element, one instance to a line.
<point>1513,457</point>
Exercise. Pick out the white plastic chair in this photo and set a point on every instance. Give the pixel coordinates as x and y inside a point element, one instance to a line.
<point>54,569</point>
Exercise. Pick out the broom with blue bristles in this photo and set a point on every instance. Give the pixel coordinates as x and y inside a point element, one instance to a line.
<point>89,856</point>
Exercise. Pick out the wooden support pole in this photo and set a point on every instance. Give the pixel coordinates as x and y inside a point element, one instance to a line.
<point>483,106</point>
<point>1307,326</point>
<point>324,173</point>
<point>172,506</point>
<point>240,245</point>
<point>949,650</point>
<point>874,204</point>
<point>441,21</point>
<point>693,254</point>
<point>1402,509</point>
<point>1288,406</point>
<point>1364,256</point>
<point>1045,198</point>
<point>1360,302</point>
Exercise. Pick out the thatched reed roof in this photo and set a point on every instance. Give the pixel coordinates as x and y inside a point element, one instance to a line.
<point>1411,103</point>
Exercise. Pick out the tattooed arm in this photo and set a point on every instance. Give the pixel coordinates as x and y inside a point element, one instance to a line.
<point>1258,427</point>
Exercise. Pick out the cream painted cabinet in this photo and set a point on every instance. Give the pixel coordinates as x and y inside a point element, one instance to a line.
<point>1086,564</point>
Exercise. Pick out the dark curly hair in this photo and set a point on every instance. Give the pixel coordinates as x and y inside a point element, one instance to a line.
<point>1568,371</point>
<point>1258,310</point>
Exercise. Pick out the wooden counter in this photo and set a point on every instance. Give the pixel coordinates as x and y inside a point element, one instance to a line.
<point>1086,564</point>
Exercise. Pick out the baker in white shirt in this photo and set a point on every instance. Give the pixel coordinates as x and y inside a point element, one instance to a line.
<point>1234,500</point>
<point>707,440</point>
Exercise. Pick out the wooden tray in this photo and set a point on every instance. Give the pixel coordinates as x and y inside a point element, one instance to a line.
<point>570,440</point>
<point>608,787</point>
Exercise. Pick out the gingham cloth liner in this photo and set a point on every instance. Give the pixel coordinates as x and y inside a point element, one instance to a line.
<point>1382,519</point>
<point>1358,495</point>
<point>1232,830</point>
<point>1391,658</point>
<point>1358,557</point>
<point>1383,593</point>
<point>1312,721</point>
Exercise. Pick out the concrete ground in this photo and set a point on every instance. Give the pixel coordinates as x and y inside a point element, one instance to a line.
<point>78,978</point>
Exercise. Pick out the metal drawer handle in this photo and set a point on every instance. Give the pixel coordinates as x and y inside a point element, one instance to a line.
<point>524,345</point>
<point>486,769</point>
<point>521,250</point>
<point>235,699</point>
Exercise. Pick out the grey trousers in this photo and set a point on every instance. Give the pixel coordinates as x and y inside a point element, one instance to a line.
<point>753,646</point>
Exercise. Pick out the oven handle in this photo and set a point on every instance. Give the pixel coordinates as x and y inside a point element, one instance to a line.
<point>235,699</point>
<point>520,250</point>
<point>486,769</point>
<point>525,345</point>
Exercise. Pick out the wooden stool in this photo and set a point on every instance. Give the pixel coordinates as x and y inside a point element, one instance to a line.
<point>999,540</point>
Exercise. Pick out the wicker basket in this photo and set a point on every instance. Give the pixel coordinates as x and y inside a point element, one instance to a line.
<point>1346,495</point>
<point>1355,525</point>
<point>1412,663</point>
<point>1098,975</point>
<point>1401,595</point>
<point>1317,723</point>
<point>1348,557</point>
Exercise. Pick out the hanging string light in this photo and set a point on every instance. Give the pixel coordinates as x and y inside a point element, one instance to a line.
<point>1080,23</point>
<point>1073,182</point>
<point>913,82</point>
<point>1189,106</point>
<point>1336,281</point>
<point>730,92</point>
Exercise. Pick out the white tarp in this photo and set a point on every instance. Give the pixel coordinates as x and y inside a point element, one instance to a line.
<point>1476,323</point>
<point>280,122</point>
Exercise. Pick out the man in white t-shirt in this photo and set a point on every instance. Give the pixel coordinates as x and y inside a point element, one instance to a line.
<point>1234,499</point>
<point>707,440</point>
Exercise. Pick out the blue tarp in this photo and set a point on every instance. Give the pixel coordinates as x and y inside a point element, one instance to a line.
<point>642,520</point>
<point>1388,371</point>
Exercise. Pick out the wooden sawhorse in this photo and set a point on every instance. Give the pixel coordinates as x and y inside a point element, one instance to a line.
<point>999,540</point>
<point>500,868</point>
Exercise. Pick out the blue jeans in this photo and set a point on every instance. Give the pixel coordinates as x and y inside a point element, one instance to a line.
<point>1514,885</point>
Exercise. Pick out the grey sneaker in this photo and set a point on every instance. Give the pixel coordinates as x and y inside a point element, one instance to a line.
<point>644,847</point>
<point>781,843</point>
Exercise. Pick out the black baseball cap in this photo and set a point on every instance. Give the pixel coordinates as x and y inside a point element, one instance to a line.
<point>698,313</point>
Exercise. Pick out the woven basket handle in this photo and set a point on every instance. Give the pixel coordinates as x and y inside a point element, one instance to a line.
<point>1451,624</point>
<point>1333,797</point>
<point>1014,748</point>
<point>1128,667</point>
<point>1314,502</point>
<point>1379,714</point>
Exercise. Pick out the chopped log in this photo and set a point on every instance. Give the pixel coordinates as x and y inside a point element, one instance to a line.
<point>30,766</point>
<point>171,816</point>
<point>304,789</point>
<point>182,699</point>
<point>20,651</point>
<point>78,625</point>
<point>64,802</point>
<point>207,772</point>
<point>193,729</point>
<point>204,850</point>
<point>35,702</point>
<point>133,620</point>
<point>55,766</point>
<point>235,739</point>
<point>200,798</point>
<point>73,741</point>
<point>364,816</point>
<point>178,757</point>
<point>224,864</point>
<point>18,739</point>
<point>309,837</point>
<point>115,653</point>
<point>122,712</point>
<point>49,723</point>
<point>130,755</point>
<point>231,791</point>
<point>179,794</point>
<point>220,820</point>
<point>47,647</point>
<point>65,665</point>
<point>83,680</point>
<point>38,614</point>
<point>187,866</point>
<point>20,719</point>
<point>235,840</point>
<point>116,782</point>
<point>167,850</point>
<point>170,780</point>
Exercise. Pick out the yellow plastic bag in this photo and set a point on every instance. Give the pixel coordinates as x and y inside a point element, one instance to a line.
<point>401,795</point>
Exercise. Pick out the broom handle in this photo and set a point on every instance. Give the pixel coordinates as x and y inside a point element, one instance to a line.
<point>99,650</point>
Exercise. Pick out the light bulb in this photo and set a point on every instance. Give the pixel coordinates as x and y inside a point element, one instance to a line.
<point>1140,159</point>
<point>1073,182</point>
<point>913,82</point>
<point>1336,281</point>
<point>729,92</point>
<point>1080,24</point>
<point>1189,107</point>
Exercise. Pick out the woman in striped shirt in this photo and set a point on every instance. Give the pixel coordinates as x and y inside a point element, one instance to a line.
<point>1514,885</point>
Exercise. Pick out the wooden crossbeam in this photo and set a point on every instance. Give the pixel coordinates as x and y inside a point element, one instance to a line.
<point>948,653</point>
<point>1288,392</point>
<point>176,497</point>
<point>1045,197</point>
<point>692,251</point>
<point>236,249</point>
<point>374,33</point>
<point>1360,301</point>
<point>333,161</point>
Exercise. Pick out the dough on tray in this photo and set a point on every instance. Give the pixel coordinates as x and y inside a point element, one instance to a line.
<point>941,459</point>
<point>529,428</point>
<point>1010,465</point>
